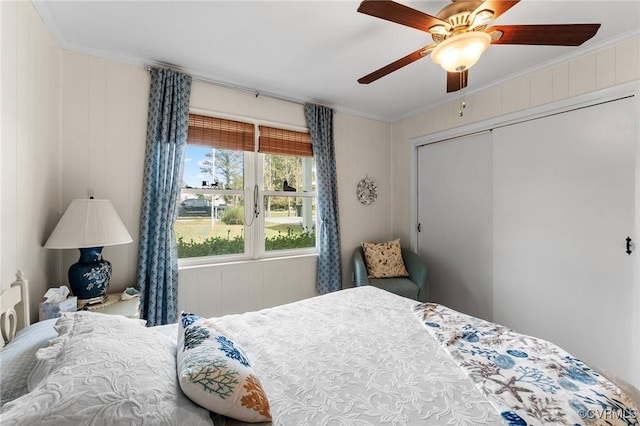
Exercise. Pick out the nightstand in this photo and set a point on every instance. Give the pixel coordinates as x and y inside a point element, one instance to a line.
<point>114,305</point>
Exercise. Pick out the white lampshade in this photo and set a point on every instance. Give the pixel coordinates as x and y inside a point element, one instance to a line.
<point>88,223</point>
<point>462,51</point>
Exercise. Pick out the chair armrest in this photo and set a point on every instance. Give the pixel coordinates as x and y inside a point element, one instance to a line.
<point>417,270</point>
<point>360,276</point>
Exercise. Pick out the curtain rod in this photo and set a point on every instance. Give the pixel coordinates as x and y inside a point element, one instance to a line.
<point>256,93</point>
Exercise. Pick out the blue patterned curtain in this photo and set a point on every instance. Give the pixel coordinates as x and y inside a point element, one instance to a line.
<point>166,142</point>
<point>320,123</point>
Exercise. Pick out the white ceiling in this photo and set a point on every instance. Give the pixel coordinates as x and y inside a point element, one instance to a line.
<point>316,50</point>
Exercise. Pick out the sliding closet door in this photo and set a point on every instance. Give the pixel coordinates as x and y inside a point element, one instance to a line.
<point>564,204</point>
<point>454,212</point>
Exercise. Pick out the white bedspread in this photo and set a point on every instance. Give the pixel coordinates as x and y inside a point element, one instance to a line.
<point>356,357</point>
<point>374,363</point>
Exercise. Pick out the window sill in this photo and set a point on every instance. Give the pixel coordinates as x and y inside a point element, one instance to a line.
<point>206,263</point>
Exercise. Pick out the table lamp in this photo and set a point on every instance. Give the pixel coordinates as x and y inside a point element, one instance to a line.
<point>89,225</point>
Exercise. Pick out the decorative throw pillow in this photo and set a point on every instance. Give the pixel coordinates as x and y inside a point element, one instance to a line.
<point>384,260</point>
<point>215,373</point>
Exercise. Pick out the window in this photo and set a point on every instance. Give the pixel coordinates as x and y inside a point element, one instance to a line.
<point>249,191</point>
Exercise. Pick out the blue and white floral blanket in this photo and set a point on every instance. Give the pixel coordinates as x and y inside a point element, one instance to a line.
<point>528,380</point>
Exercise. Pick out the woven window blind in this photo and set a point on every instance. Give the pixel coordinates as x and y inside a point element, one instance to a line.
<point>284,142</point>
<point>220,133</point>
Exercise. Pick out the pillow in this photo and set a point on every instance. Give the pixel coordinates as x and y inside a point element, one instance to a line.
<point>46,357</point>
<point>215,373</point>
<point>18,358</point>
<point>107,367</point>
<point>384,260</point>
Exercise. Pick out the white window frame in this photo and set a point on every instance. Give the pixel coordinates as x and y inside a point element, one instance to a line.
<point>253,174</point>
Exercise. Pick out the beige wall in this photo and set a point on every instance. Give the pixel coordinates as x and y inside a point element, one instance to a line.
<point>104,115</point>
<point>362,149</point>
<point>30,148</point>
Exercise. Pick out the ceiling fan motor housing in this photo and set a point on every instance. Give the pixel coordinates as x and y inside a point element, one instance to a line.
<point>462,17</point>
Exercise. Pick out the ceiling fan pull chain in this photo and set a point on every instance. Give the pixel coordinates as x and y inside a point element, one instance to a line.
<point>463,104</point>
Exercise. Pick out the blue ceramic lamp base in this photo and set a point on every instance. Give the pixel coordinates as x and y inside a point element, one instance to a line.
<point>89,277</point>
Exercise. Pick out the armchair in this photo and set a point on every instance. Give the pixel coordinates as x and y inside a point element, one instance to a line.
<point>414,287</point>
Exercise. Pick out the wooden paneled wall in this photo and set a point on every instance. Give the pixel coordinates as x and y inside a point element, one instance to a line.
<point>246,286</point>
<point>30,147</point>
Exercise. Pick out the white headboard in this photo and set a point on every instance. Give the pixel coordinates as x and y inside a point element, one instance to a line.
<point>14,308</point>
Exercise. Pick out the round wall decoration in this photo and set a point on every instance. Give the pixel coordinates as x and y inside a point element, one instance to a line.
<point>367,191</point>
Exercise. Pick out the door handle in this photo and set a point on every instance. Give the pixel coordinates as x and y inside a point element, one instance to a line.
<point>630,245</point>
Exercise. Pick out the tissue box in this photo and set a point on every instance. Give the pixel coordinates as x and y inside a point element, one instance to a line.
<point>51,310</point>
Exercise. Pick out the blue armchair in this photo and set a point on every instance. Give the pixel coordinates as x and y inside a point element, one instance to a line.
<point>414,287</point>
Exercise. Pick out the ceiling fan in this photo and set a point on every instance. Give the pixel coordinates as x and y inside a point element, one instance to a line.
<point>461,34</point>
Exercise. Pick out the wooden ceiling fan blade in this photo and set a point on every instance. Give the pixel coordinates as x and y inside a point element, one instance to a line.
<point>396,65</point>
<point>547,35</point>
<point>457,80</point>
<point>498,7</point>
<point>400,14</point>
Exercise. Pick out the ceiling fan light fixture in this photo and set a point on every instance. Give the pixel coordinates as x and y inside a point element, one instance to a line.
<point>482,18</point>
<point>438,30</point>
<point>461,52</point>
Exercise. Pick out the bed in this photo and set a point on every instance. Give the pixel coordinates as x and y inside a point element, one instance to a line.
<point>360,356</point>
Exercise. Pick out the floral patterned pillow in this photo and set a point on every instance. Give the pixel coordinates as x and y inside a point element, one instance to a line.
<point>215,373</point>
<point>384,260</point>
